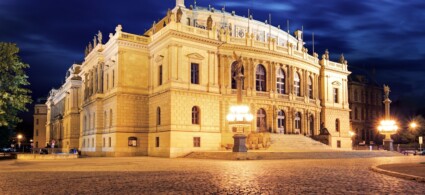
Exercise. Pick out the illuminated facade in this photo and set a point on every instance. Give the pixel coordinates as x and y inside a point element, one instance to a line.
<point>167,92</point>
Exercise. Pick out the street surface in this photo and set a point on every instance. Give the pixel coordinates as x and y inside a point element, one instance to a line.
<point>147,175</point>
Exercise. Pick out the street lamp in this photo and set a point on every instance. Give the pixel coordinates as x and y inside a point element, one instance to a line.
<point>239,114</point>
<point>413,125</point>
<point>19,140</point>
<point>387,126</point>
<point>352,134</point>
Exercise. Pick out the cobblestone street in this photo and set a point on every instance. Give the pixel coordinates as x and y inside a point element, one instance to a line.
<point>146,175</point>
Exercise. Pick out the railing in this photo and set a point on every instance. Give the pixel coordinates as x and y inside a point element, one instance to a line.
<point>236,40</point>
<point>299,98</point>
<point>283,96</point>
<point>313,101</point>
<point>259,44</point>
<point>134,38</point>
<point>262,94</point>
<point>282,49</point>
<point>234,92</point>
<point>298,54</point>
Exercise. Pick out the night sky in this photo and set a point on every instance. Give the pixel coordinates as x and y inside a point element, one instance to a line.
<point>385,35</point>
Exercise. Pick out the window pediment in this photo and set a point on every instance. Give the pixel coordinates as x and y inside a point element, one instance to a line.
<point>336,83</point>
<point>195,56</point>
<point>159,58</point>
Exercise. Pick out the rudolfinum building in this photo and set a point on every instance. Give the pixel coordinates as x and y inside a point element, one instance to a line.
<point>167,92</point>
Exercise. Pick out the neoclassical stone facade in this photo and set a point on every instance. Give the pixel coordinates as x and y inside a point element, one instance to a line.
<point>167,92</point>
<point>366,107</point>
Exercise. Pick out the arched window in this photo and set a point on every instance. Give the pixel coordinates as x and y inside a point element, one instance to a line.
<point>311,121</point>
<point>233,74</point>
<point>260,78</point>
<point>297,82</point>
<point>337,125</point>
<point>280,81</point>
<point>195,115</point>
<point>298,122</point>
<point>110,117</point>
<point>281,123</point>
<point>261,120</point>
<point>158,116</point>
<point>310,87</point>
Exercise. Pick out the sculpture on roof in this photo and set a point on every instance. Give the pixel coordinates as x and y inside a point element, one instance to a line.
<point>209,23</point>
<point>179,15</point>
<point>94,41</point>
<point>99,37</point>
<point>169,14</point>
<point>341,59</point>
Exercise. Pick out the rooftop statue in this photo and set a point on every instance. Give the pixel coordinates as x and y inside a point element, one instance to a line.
<point>99,37</point>
<point>179,15</point>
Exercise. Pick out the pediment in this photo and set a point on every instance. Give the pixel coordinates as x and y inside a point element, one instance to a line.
<point>336,83</point>
<point>159,58</point>
<point>196,56</point>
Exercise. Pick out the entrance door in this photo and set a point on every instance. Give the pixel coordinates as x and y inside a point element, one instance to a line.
<point>281,122</point>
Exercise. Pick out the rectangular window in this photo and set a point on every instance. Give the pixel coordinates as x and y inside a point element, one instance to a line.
<point>36,132</point>
<point>160,75</point>
<point>194,73</point>
<point>338,144</point>
<point>157,142</point>
<point>336,98</point>
<point>132,141</point>
<point>196,142</point>
<point>36,122</point>
<point>110,142</point>
<point>113,78</point>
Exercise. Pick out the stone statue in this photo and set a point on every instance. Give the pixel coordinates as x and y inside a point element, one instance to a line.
<point>341,59</point>
<point>94,41</point>
<point>237,69</point>
<point>86,52</point>
<point>209,23</point>
<point>118,28</point>
<point>169,16</point>
<point>90,47</point>
<point>387,91</point>
<point>153,27</point>
<point>179,15</point>
<point>99,37</point>
<point>327,54</point>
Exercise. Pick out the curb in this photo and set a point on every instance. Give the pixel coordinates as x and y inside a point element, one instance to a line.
<point>398,175</point>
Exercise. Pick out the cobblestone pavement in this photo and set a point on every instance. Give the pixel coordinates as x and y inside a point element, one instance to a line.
<point>146,175</point>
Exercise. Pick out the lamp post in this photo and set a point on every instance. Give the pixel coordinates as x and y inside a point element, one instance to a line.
<point>387,126</point>
<point>239,114</point>
<point>352,135</point>
<point>19,140</point>
<point>413,125</point>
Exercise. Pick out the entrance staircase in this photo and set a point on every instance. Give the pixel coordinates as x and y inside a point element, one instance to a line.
<point>295,143</point>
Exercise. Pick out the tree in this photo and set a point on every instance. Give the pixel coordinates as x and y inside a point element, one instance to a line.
<point>13,95</point>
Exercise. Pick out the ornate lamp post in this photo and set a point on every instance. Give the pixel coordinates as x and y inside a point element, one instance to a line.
<point>239,114</point>
<point>387,126</point>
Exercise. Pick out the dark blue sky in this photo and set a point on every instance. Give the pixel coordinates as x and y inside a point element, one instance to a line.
<point>387,35</point>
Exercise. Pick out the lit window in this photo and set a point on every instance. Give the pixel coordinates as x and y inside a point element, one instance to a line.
<point>281,123</point>
<point>132,141</point>
<point>337,125</point>
<point>280,82</point>
<point>260,78</point>
<point>194,73</point>
<point>298,121</point>
<point>310,88</point>
<point>196,142</point>
<point>195,115</point>
<point>158,116</point>
<point>261,120</point>
<point>297,82</point>
<point>336,96</point>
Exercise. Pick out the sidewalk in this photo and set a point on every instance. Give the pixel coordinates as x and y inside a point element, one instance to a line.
<point>410,171</point>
